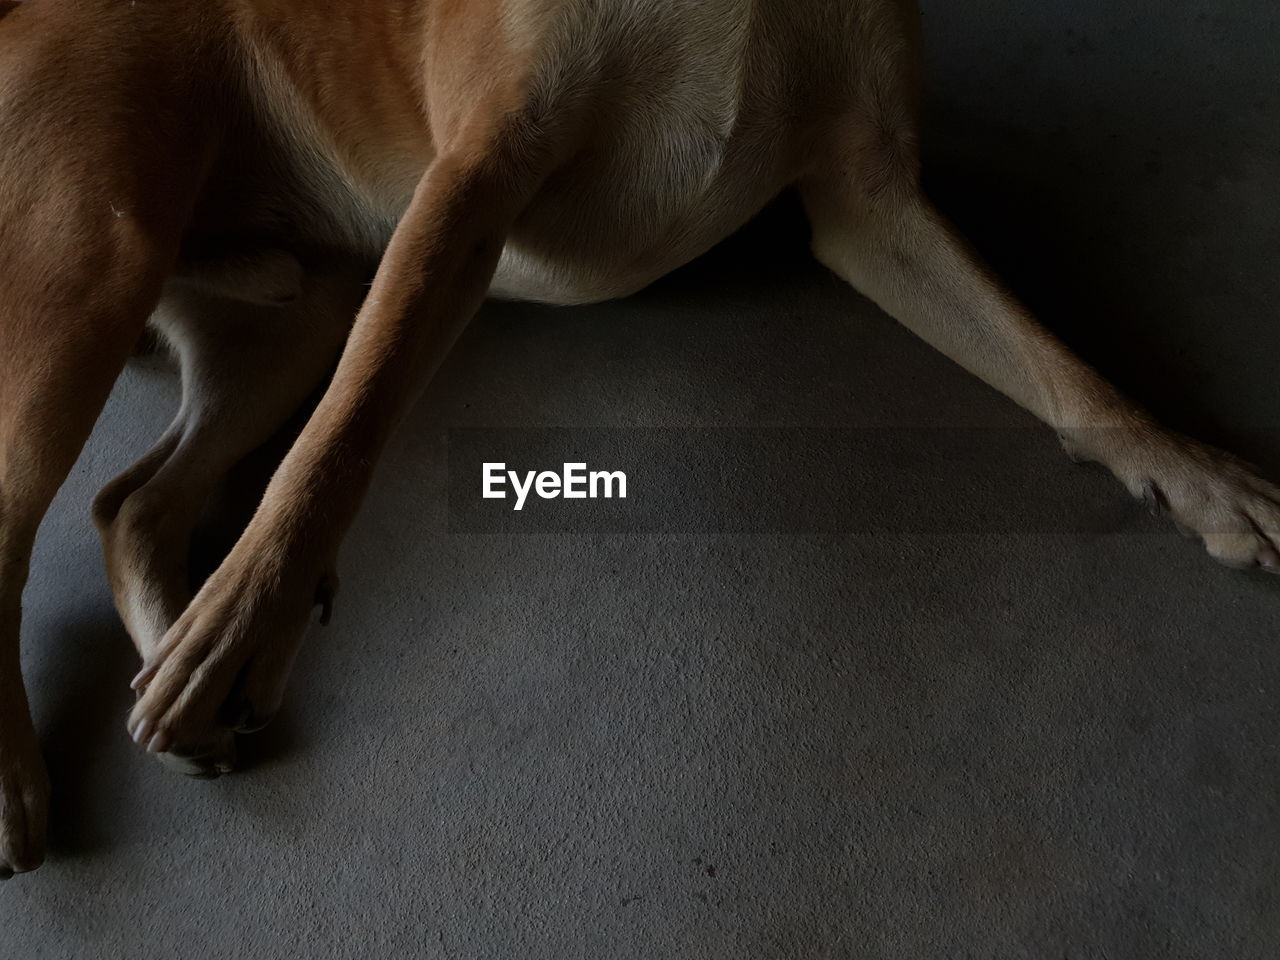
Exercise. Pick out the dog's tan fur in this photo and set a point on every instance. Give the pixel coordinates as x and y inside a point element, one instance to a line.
<point>238,169</point>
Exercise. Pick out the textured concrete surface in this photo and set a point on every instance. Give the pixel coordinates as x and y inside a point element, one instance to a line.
<point>990,741</point>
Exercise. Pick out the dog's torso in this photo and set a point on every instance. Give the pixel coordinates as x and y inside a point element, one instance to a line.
<point>678,121</point>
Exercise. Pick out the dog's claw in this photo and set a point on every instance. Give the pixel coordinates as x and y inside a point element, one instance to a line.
<point>160,742</point>
<point>326,593</point>
<point>145,676</point>
<point>142,731</point>
<point>1154,498</point>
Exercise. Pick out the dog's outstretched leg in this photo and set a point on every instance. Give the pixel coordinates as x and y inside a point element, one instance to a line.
<point>97,177</point>
<point>874,227</point>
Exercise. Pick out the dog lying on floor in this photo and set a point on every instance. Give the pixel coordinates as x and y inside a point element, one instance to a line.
<point>237,170</point>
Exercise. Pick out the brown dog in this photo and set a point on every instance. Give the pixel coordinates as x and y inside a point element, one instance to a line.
<point>236,170</point>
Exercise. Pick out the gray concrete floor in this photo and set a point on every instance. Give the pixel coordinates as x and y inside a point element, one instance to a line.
<point>1045,734</point>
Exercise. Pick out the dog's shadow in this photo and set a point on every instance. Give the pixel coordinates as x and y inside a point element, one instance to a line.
<point>83,732</point>
<point>83,718</point>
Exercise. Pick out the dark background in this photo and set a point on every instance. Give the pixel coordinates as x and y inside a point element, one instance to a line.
<point>978,742</point>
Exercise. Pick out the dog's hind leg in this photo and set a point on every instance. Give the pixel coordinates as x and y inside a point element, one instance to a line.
<point>246,369</point>
<point>262,277</point>
<point>98,174</point>
<point>873,226</point>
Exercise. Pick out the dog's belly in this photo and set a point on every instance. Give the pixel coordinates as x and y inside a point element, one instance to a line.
<point>691,122</point>
<point>600,230</point>
<point>605,232</point>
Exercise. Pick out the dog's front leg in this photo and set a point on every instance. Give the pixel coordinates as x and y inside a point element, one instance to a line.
<point>250,615</point>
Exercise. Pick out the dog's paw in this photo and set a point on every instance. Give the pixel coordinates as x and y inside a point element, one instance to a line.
<point>24,805</point>
<point>221,666</point>
<point>203,761</point>
<point>1209,495</point>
